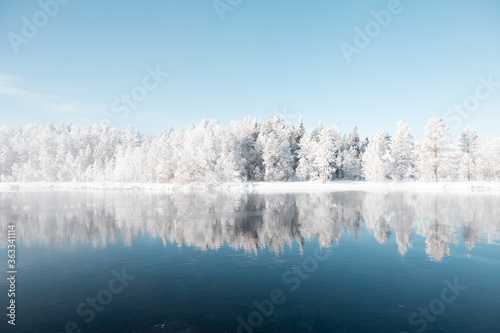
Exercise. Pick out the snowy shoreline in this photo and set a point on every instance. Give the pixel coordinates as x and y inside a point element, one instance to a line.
<point>260,187</point>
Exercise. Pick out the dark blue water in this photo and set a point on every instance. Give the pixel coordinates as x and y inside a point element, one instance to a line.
<point>227,262</point>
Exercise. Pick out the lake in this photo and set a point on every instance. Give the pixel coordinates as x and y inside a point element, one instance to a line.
<point>138,261</point>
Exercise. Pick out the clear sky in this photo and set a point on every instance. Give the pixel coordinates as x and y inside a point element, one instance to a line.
<point>78,62</point>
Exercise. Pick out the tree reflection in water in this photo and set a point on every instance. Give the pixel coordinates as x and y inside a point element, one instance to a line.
<point>251,221</point>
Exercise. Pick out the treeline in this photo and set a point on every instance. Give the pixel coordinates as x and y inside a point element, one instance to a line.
<point>247,150</point>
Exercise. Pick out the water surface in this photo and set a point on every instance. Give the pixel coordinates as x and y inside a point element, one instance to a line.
<point>215,262</point>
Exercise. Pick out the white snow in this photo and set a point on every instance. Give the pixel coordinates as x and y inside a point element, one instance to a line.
<point>264,187</point>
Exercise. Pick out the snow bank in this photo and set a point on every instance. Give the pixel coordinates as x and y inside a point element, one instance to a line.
<point>262,187</point>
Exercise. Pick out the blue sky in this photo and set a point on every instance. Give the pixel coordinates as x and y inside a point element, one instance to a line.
<point>264,57</point>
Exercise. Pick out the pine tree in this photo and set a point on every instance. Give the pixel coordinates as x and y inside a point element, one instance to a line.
<point>377,158</point>
<point>229,167</point>
<point>7,154</point>
<point>351,163</point>
<point>469,147</point>
<point>277,157</point>
<point>338,148</point>
<point>435,151</point>
<point>249,155</point>
<point>403,152</point>
<point>325,155</point>
<point>489,160</point>
<point>306,168</point>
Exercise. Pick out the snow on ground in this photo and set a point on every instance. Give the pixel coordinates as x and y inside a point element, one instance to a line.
<point>263,187</point>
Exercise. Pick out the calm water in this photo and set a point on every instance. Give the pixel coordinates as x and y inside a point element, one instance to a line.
<point>226,262</point>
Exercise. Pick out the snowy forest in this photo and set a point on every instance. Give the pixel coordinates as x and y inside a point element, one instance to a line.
<point>247,150</point>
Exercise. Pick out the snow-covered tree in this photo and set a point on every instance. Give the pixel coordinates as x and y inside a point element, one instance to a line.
<point>338,147</point>
<point>297,134</point>
<point>489,160</point>
<point>325,154</point>
<point>351,164</point>
<point>377,158</point>
<point>403,152</point>
<point>278,161</point>
<point>306,169</point>
<point>351,156</point>
<point>435,152</point>
<point>160,157</point>
<point>7,154</point>
<point>276,152</point>
<point>230,166</point>
<point>199,153</point>
<point>469,148</point>
<point>246,133</point>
